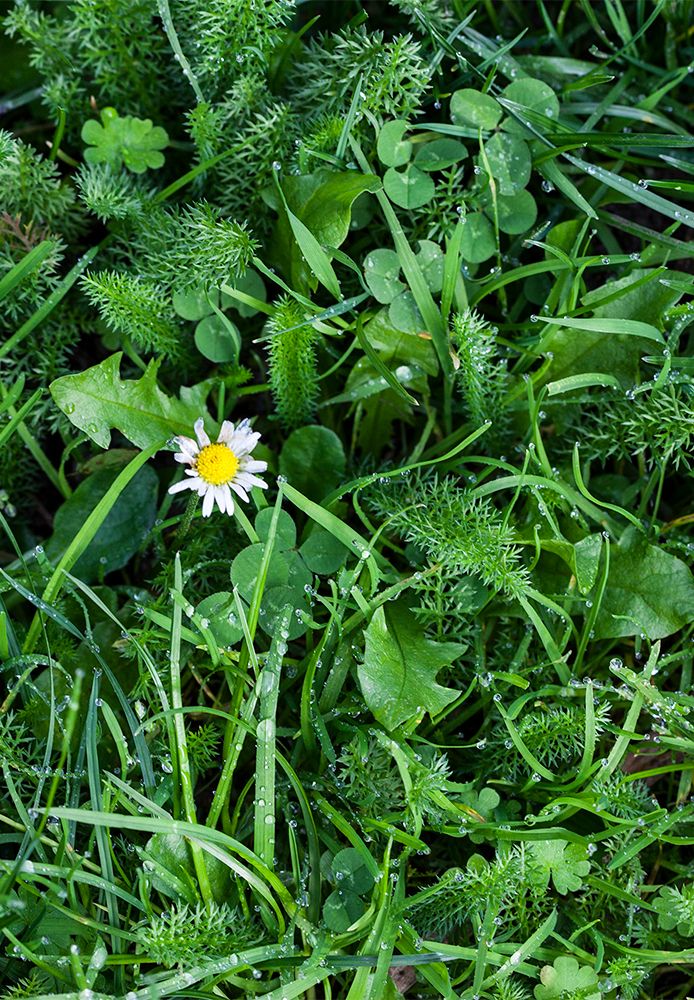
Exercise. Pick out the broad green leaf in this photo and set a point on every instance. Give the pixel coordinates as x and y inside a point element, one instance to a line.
<point>322,201</point>
<point>170,854</point>
<point>645,302</point>
<point>509,161</point>
<point>341,909</point>
<point>516,213</point>
<point>322,553</point>
<point>564,863</point>
<point>566,979</point>
<point>285,530</point>
<point>121,534</point>
<point>400,347</point>
<point>350,871</point>
<point>132,141</point>
<point>221,612</point>
<point>194,303</point>
<point>587,561</point>
<point>408,188</point>
<point>97,401</point>
<point>439,154</point>
<point>217,338</point>
<point>596,345</point>
<point>398,675</point>
<point>404,314</point>
<point>392,149</point>
<point>430,260</point>
<point>326,206</point>
<point>478,243</point>
<point>533,94</point>
<point>470,107</point>
<point>317,260</point>
<point>285,584</point>
<point>313,461</point>
<point>382,274</point>
<point>650,589</point>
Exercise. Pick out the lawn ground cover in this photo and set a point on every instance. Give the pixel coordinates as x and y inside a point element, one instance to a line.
<point>346,421</point>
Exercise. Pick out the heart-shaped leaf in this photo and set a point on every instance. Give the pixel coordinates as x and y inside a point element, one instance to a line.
<point>470,107</point>
<point>392,149</point>
<point>382,274</point>
<point>409,188</point>
<point>478,243</point>
<point>439,154</point>
<point>509,161</point>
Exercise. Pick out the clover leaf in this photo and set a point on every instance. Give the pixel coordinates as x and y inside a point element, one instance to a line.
<point>565,863</point>
<point>132,141</point>
<point>566,980</point>
<point>676,909</point>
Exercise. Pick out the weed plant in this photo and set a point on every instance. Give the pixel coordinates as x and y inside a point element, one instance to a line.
<point>386,690</point>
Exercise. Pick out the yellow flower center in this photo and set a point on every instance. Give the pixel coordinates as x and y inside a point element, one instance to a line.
<point>216,464</point>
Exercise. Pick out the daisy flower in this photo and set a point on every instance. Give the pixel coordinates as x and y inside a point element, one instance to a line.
<point>215,469</point>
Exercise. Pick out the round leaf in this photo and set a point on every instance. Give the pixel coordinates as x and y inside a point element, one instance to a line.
<point>350,871</point>
<point>220,610</point>
<point>323,553</point>
<point>478,241</point>
<point>470,107</point>
<point>246,567</point>
<point>430,259</point>
<point>272,606</point>
<point>439,154</point>
<point>214,338</point>
<point>313,460</point>
<point>404,314</point>
<point>382,270</point>
<point>122,532</point>
<point>533,94</point>
<point>285,537</point>
<point>509,161</point>
<point>341,909</point>
<point>409,188</point>
<point>392,150</point>
<point>195,302</point>
<point>516,213</point>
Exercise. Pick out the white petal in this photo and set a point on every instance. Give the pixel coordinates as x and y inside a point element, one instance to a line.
<point>191,472</point>
<point>184,484</point>
<point>226,432</point>
<point>229,499</point>
<point>251,465</point>
<point>239,490</point>
<point>181,456</point>
<point>247,480</point>
<point>221,499</point>
<point>208,502</point>
<point>201,433</point>
<point>243,441</point>
<point>187,445</point>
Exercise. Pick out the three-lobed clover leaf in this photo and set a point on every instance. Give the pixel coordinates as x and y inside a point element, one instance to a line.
<point>675,908</point>
<point>135,142</point>
<point>564,863</point>
<point>566,980</point>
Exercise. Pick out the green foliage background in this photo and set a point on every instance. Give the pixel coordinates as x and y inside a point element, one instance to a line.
<point>418,719</point>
